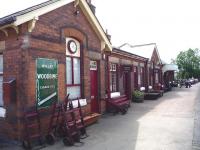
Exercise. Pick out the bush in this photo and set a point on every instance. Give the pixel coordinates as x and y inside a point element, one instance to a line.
<point>138,96</point>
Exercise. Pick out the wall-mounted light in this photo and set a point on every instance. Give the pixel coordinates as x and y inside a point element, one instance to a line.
<point>76,12</point>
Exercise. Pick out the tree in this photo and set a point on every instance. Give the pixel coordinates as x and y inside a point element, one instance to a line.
<point>188,63</point>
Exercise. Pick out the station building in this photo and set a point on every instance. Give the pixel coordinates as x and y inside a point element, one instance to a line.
<point>58,48</point>
<point>48,51</point>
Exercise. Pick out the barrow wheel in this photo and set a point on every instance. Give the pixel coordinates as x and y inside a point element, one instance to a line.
<point>77,137</point>
<point>60,131</point>
<point>124,111</point>
<point>50,139</point>
<point>83,131</point>
<point>26,145</point>
<point>68,141</point>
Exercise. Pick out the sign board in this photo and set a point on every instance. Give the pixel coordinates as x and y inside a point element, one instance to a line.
<point>93,65</point>
<point>83,102</point>
<point>46,82</point>
<point>127,68</point>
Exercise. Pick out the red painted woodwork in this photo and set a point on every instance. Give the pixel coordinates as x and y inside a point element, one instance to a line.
<point>9,91</point>
<point>142,76</point>
<point>118,104</point>
<point>135,77</point>
<point>126,83</point>
<point>94,91</point>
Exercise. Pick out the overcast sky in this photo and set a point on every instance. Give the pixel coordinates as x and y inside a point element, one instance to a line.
<point>173,24</point>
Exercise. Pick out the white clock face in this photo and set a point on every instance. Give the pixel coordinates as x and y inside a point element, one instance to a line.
<point>72,46</point>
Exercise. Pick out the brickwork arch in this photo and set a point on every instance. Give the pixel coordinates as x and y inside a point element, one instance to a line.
<point>75,33</point>
<point>79,35</point>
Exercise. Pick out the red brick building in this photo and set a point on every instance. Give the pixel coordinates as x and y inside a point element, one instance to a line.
<point>62,42</point>
<point>152,72</point>
<point>63,33</point>
<point>127,72</point>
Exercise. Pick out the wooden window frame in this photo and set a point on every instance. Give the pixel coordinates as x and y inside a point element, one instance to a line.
<point>72,75</point>
<point>113,71</point>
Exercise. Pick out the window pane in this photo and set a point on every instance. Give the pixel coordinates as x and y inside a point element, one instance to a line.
<point>68,70</point>
<point>1,63</point>
<point>156,80</point>
<point>139,80</point>
<point>1,90</point>
<point>114,82</point>
<point>111,82</point>
<point>74,92</point>
<point>76,68</point>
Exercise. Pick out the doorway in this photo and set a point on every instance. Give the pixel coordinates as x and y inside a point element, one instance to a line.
<point>94,86</point>
<point>126,83</point>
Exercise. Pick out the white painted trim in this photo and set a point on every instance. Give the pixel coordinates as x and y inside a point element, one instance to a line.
<point>31,24</point>
<point>38,12</point>
<point>5,32</point>
<point>34,15</point>
<point>95,24</point>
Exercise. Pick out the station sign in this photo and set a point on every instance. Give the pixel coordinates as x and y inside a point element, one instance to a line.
<point>46,82</point>
<point>127,68</point>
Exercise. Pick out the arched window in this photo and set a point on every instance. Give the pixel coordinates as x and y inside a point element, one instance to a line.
<point>73,81</point>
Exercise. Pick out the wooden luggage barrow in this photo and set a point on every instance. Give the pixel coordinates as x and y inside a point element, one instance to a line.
<point>118,104</point>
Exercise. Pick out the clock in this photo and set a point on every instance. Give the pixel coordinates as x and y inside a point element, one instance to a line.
<point>72,47</point>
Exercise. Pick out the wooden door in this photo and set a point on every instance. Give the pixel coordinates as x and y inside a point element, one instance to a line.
<point>94,86</point>
<point>135,78</point>
<point>126,79</point>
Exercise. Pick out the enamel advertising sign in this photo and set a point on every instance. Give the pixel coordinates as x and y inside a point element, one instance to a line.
<point>46,82</point>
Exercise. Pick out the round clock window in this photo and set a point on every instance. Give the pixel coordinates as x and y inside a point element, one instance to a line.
<point>72,47</point>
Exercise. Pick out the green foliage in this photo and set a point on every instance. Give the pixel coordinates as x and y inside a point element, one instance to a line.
<point>138,94</point>
<point>188,63</point>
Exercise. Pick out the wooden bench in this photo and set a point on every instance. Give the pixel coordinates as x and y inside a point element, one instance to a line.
<point>118,104</point>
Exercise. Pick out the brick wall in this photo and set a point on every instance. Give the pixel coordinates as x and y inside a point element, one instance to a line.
<point>46,41</point>
<point>122,59</point>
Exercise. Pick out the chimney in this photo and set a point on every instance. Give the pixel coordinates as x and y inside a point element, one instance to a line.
<point>92,7</point>
<point>108,35</point>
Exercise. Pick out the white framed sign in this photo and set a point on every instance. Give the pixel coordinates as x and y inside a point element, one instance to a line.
<point>93,65</point>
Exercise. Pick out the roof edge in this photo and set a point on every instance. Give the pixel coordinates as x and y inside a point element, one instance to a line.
<point>33,13</point>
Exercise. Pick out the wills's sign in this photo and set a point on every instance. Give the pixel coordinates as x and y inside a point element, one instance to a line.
<point>46,82</point>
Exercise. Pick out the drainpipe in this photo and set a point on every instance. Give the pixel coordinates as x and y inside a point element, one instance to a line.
<point>153,76</point>
<point>146,76</point>
<point>161,75</point>
<point>108,76</point>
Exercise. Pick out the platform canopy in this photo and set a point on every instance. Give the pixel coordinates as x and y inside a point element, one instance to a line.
<point>169,67</point>
<point>144,50</point>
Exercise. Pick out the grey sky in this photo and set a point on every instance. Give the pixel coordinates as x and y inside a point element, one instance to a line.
<point>172,24</point>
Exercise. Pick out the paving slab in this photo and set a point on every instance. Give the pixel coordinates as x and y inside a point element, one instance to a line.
<point>163,124</point>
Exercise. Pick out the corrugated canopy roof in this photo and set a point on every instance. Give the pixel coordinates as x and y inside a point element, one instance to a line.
<point>145,50</point>
<point>170,67</point>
